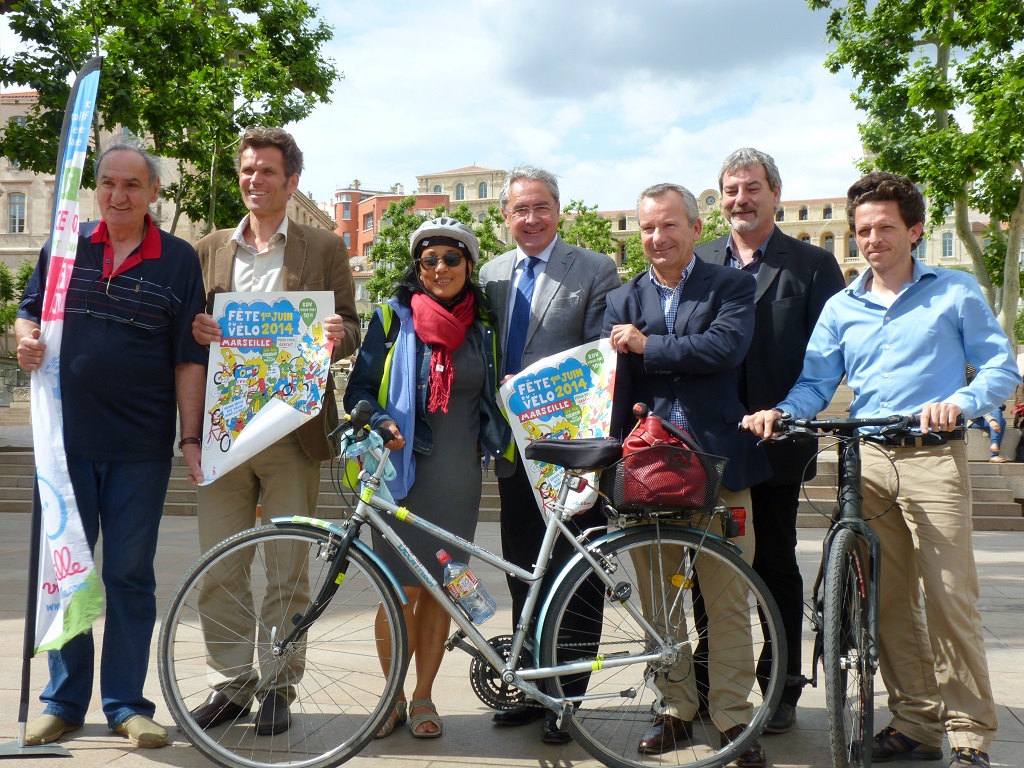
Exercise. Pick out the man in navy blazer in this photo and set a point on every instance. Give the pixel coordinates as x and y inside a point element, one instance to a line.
<point>682,328</point>
<point>794,280</point>
<point>566,310</point>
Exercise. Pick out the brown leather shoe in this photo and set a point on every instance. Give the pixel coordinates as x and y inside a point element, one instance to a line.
<point>752,757</point>
<point>273,716</point>
<point>217,709</point>
<point>663,736</point>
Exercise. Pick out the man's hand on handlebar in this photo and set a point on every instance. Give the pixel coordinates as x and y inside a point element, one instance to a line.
<point>761,423</point>
<point>939,417</point>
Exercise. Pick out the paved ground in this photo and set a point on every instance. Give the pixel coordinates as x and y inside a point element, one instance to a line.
<point>469,737</point>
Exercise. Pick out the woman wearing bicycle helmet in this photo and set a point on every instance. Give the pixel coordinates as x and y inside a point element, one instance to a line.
<point>441,407</point>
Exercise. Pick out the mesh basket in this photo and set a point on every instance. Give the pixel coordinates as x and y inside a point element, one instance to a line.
<point>664,478</point>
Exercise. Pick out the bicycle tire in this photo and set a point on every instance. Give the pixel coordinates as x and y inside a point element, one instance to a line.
<point>849,675</point>
<point>341,694</point>
<point>610,728</point>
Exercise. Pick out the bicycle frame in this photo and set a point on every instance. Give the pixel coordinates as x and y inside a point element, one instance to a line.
<point>371,510</point>
<point>850,500</point>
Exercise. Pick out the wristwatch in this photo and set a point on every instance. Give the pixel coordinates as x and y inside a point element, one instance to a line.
<point>188,441</point>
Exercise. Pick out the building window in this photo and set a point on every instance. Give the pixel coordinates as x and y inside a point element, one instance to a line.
<point>345,198</point>
<point>805,238</point>
<point>851,247</point>
<point>803,213</point>
<point>16,213</point>
<point>366,249</point>
<point>826,212</point>
<point>947,245</point>
<point>437,189</point>
<point>347,237</point>
<point>920,251</point>
<point>480,217</point>
<point>361,291</point>
<point>482,190</point>
<point>829,244</point>
<point>460,191</point>
<point>346,211</point>
<point>780,215</point>
<point>368,221</point>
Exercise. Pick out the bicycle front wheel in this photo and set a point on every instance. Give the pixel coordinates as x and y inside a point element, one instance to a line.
<point>849,670</point>
<point>656,569</point>
<point>342,677</point>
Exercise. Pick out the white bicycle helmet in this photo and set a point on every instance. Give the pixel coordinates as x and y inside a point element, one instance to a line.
<point>445,228</point>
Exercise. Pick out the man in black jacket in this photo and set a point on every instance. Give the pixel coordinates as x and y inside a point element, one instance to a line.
<point>794,280</point>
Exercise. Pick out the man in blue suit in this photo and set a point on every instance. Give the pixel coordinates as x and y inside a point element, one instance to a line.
<point>682,328</point>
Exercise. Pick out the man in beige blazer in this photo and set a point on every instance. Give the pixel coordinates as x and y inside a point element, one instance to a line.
<point>266,252</point>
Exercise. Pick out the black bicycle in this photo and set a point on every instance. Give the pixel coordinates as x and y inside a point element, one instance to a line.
<point>844,606</point>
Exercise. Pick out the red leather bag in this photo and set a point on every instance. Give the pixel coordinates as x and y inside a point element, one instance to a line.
<point>660,470</point>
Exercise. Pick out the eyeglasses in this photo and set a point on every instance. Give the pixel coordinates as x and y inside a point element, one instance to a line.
<point>451,259</point>
<point>117,298</point>
<point>542,211</point>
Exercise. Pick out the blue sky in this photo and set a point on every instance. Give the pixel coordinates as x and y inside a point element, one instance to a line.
<point>610,96</point>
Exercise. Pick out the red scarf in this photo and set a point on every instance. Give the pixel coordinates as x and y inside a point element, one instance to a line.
<point>444,329</point>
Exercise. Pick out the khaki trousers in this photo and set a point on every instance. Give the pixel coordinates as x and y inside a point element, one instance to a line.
<point>931,637</point>
<point>730,654</point>
<point>285,482</point>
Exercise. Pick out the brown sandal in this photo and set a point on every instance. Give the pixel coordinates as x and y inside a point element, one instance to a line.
<point>397,717</point>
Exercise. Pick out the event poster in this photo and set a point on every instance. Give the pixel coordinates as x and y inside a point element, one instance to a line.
<point>267,374</point>
<point>568,395</point>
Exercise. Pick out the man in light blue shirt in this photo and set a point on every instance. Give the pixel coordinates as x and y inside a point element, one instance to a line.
<point>903,334</point>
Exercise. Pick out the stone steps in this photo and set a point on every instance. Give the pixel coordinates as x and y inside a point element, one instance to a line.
<point>994,504</point>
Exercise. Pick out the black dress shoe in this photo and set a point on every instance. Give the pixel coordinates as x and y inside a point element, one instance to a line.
<point>273,716</point>
<point>519,716</point>
<point>552,734</point>
<point>663,736</point>
<point>752,757</point>
<point>783,719</point>
<point>217,709</point>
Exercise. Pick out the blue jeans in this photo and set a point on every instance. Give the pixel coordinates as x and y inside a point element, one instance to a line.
<point>995,438</point>
<point>125,500</point>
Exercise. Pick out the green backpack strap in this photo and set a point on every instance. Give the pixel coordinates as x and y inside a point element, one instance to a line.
<point>387,316</point>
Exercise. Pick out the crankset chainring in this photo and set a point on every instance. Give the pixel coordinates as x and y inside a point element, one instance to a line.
<point>487,683</point>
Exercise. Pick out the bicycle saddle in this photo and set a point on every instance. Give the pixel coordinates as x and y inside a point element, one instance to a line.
<point>585,453</point>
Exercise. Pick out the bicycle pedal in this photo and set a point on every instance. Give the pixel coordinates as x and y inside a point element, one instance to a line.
<point>456,641</point>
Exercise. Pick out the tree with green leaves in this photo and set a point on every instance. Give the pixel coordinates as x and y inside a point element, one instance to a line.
<point>189,77</point>
<point>581,225</point>
<point>941,83</point>
<point>12,288</point>
<point>714,226</point>
<point>390,250</point>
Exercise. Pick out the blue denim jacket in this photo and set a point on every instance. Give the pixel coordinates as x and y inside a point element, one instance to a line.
<point>365,384</point>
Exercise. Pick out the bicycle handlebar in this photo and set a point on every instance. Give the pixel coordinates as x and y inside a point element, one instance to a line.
<point>891,426</point>
<point>358,421</point>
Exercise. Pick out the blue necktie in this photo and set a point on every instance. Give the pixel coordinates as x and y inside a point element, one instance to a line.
<point>520,323</point>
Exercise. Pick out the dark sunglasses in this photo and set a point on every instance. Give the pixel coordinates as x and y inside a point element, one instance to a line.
<point>431,262</point>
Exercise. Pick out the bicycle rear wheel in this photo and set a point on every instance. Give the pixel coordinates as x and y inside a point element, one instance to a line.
<point>849,673</point>
<point>213,638</point>
<point>654,567</point>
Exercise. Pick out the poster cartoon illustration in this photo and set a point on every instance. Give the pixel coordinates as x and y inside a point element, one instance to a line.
<point>568,395</point>
<point>267,374</point>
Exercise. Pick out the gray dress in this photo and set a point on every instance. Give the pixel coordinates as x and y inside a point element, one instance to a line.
<point>446,490</point>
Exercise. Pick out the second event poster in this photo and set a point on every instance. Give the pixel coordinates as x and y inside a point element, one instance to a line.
<point>568,395</point>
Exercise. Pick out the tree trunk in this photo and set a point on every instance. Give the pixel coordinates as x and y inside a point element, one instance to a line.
<point>1011,269</point>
